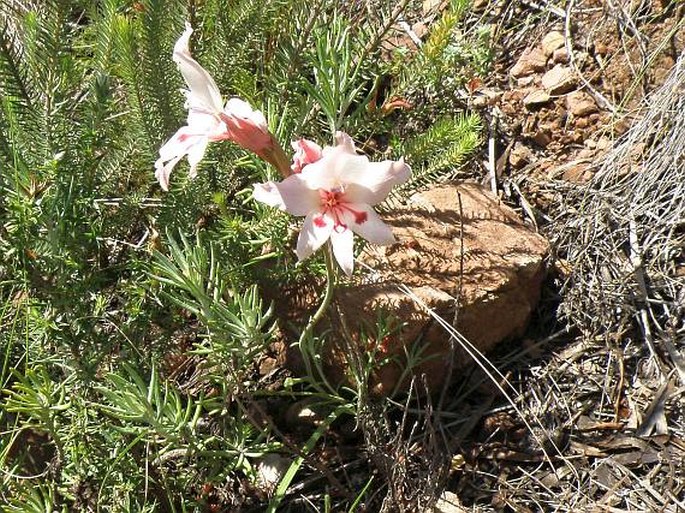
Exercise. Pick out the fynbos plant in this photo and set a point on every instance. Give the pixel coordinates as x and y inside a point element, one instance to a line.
<point>134,323</point>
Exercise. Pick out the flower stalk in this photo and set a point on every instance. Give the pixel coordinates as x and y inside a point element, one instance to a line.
<point>334,188</point>
<point>331,281</point>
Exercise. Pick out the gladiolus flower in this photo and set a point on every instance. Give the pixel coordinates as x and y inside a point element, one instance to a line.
<point>306,152</point>
<point>210,120</point>
<point>335,194</point>
<point>247,127</point>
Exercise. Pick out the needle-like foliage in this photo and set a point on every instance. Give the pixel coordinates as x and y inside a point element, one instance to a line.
<point>133,324</point>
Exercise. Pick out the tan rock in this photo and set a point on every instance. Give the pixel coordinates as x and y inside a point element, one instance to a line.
<point>525,82</point>
<point>579,173</point>
<point>560,56</point>
<point>480,102</point>
<point>420,29</point>
<point>586,153</point>
<point>486,97</point>
<point>270,470</point>
<point>580,103</point>
<point>542,138</point>
<point>531,61</point>
<point>304,414</point>
<point>603,143</point>
<point>520,155</point>
<point>430,5</point>
<point>536,98</point>
<point>494,274</point>
<point>582,123</point>
<point>601,48</point>
<point>559,80</point>
<point>552,41</point>
<point>449,503</point>
<point>581,58</point>
<point>576,136</point>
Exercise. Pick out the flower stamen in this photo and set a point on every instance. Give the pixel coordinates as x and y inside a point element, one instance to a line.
<point>334,204</point>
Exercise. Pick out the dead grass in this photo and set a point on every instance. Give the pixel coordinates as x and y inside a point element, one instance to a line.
<point>613,397</point>
<point>596,421</point>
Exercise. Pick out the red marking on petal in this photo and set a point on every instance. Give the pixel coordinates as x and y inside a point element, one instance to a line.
<point>320,222</point>
<point>183,137</point>
<point>360,217</point>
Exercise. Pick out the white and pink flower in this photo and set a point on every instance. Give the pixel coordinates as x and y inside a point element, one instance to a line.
<point>247,127</point>
<point>210,120</point>
<point>306,152</point>
<point>335,193</point>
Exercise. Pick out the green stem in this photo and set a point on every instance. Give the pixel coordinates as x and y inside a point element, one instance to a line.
<point>289,475</point>
<point>325,302</point>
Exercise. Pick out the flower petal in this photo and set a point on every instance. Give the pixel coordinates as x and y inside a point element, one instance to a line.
<point>330,172</point>
<point>363,221</point>
<point>183,142</point>
<point>208,124</point>
<point>343,249</point>
<point>268,193</point>
<point>363,181</point>
<point>315,232</point>
<point>306,152</point>
<point>345,142</point>
<point>177,144</point>
<point>162,171</point>
<point>242,109</point>
<point>373,183</point>
<point>195,154</point>
<point>291,195</point>
<point>203,92</point>
<point>246,127</point>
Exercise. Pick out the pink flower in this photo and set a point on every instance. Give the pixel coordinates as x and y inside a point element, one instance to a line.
<point>335,194</point>
<point>306,152</point>
<point>209,120</point>
<point>204,105</point>
<point>247,127</point>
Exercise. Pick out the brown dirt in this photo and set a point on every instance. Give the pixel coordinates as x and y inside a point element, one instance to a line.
<point>616,66</point>
<point>605,432</point>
